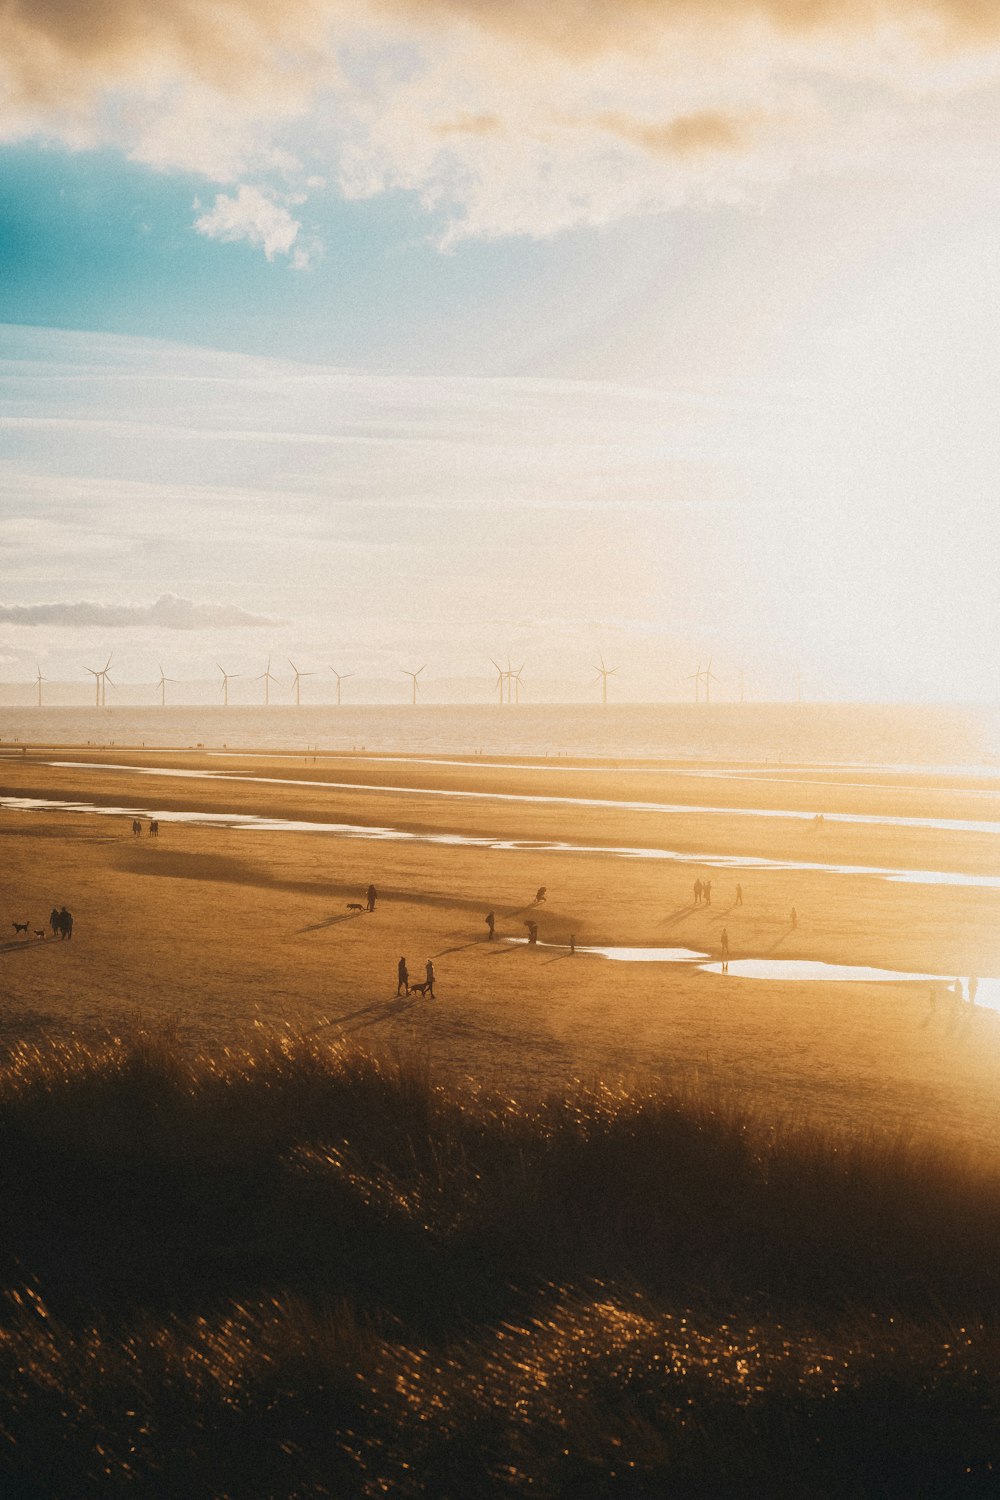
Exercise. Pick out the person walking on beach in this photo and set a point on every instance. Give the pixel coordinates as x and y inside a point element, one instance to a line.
<point>372,896</point>
<point>739,894</point>
<point>973,987</point>
<point>697,893</point>
<point>795,917</point>
<point>402,976</point>
<point>491,922</point>
<point>957,989</point>
<point>540,894</point>
<point>706,891</point>
<point>65,923</point>
<point>572,942</point>
<point>54,921</point>
<point>532,931</point>
<point>724,949</point>
<point>429,976</point>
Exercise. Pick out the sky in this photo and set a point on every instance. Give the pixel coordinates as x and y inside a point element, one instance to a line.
<point>439,331</point>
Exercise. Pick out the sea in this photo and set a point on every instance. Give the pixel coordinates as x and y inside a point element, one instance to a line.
<point>960,739</point>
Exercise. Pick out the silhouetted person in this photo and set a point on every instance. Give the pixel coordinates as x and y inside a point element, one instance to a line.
<point>402,976</point>
<point>973,987</point>
<point>739,895</point>
<point>957,989</point>
<point>54,922</point>
<point>154,829</point>
<point>706,891</point>
<point>540,894</point>
<point>491,922</point>
<point>724,942</point>
<point>532,931</point>
<point>572,942</point>
<point>795,917</point>
<point>429,976</point>
<point>65,923</point>
<point>372,896</point>
<point>697,893</point>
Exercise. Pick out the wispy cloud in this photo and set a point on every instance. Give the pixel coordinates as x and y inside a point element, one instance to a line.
<point>169,612</point>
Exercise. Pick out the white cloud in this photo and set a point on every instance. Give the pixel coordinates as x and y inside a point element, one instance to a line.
<point>254,217</point>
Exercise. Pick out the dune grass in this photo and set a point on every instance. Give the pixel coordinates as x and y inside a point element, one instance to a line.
<point>305,1271</point>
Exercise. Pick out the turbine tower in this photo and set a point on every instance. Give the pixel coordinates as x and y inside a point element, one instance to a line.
<point>696,677</point>
<point>267,677</point>
<point>341,677</point>
<point>415,675</point>
<point>40,679</point>
<point>225,683</point>
<point>604,673</point>
<point>298,681</point>
<point>518,683</point>
<point>709,677</point>
<point>100,676</point>
<point>162,685</point>
<point>500,678</point>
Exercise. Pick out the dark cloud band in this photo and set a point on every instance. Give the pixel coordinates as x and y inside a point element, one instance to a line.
<point>169,612</point>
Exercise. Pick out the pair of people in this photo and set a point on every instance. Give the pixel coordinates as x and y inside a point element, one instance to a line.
<point>61,922</point>
<point>403,978</point>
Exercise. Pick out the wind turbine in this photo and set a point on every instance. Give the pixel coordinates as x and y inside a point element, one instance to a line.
<point>341,677</point>
<point>41,679</point>
<point>414,675</point>
<point>225,683</point>
<point>100,675</point>
<point>266,677</point>
<point>604,673</point>
<point>298,681</point>
<point>709,677</point>
<point>696,677</point>
<point>162,685</point>
<point>518,684</point>
<point>500,678</point>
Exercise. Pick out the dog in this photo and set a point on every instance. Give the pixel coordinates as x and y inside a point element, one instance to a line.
<point>39,932</point>
<point>354,906</point>
<point>21,927</point>
<point>419,989</point>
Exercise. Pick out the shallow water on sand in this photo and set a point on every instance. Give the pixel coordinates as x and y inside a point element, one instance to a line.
<point>794,970</point>
<point>948,825</point>
<point>478,841</point>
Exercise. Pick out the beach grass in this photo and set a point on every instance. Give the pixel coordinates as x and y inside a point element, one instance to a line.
<point>297,1268</point>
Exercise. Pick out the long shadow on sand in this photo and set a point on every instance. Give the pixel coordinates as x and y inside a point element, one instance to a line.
<point>681,912</point>
<point>26,945</point>
<point>779,940</point>
<point>349,916</point>
<point>379,1010</point>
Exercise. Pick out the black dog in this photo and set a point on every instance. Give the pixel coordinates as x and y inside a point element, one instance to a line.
<point>354,906</point>
<point>20,927</point>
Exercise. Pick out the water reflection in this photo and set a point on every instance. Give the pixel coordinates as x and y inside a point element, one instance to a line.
<point>949,825</point>
<point>376,832</point>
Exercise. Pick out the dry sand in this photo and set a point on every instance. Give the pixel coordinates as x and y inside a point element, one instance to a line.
<point>215,930</point>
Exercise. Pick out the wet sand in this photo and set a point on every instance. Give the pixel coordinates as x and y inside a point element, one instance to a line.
<point>216,930</point>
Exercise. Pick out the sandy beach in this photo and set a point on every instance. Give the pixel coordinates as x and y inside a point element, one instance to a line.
<point>215,930</point>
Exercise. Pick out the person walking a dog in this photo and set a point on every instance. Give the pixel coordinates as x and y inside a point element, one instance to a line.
<point>429,976</point>
<point>372,896</point>
<point>402,976</point>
